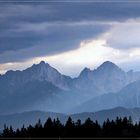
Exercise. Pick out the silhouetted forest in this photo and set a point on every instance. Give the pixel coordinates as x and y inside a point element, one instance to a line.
<point>121,127</point>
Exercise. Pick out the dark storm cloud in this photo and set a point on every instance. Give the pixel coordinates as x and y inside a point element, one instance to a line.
<point>23,26</point>
<point>53,42</point>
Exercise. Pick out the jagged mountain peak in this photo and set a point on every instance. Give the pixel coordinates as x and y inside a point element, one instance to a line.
<point>41,69</point>
<point>41,64</point>
<point>41,72</point>
<point>108,64</point>
<point>32,68</point>
<point>108,77</point>
<point>104,67</point>
<point>85,71</point>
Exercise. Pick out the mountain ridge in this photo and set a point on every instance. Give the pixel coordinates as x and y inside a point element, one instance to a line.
<point>44,85</point>
<point>129,96</point>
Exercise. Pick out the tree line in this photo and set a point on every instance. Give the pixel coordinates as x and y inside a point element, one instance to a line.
<point>120,127</point>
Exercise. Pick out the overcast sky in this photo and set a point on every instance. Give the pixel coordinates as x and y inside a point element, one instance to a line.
<point>69,35</point>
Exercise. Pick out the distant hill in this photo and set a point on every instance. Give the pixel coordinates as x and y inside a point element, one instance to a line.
<point>26,118</point>
<point>128,97</point>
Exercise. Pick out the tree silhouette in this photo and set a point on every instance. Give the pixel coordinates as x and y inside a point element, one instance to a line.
<point>121,127</point>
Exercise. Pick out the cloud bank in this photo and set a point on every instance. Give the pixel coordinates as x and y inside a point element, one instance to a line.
<point>69,35</point>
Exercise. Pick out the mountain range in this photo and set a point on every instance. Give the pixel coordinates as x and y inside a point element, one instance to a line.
<point>42,87</point>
